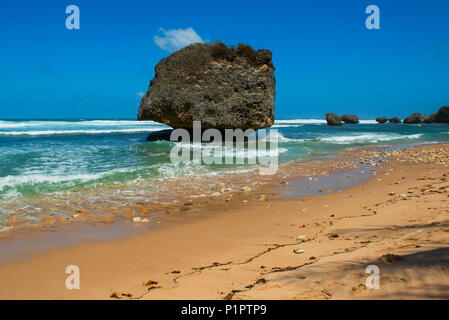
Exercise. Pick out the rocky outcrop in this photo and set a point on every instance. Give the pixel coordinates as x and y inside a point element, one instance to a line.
<point>426,119</point>
<point>350,119</point>
<point>414,118</point>
<point>223,87</point>
<point>394,120</point>
<point>441,116</point>
<point>381,120</point>
<point>333,120</point>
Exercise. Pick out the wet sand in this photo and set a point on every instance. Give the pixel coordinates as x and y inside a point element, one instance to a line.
<point>266,245</point>
<point>24,238</point>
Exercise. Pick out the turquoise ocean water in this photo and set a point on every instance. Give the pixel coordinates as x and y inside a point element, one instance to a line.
<point>67,163</point>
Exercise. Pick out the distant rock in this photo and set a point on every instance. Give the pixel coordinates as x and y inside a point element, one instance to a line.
<point>441,116</point>
<point>223,87</point>
<point>426,119</point>
<point>381,120</point>
<point>394,120</point>
<point>414,118</point>
<point>350,119</point>
<point>333,120</point>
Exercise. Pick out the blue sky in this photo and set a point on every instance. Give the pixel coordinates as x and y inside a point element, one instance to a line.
<point>325,58</point>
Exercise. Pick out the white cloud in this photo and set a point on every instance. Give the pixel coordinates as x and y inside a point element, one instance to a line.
<point>175,39</point>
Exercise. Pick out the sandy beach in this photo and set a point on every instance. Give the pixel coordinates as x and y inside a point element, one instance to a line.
<point>262,245</point>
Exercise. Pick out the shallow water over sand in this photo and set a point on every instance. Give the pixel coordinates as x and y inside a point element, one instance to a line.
<point>66,170</point>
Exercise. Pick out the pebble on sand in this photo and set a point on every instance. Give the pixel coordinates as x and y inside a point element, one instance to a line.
<point>299,250</point>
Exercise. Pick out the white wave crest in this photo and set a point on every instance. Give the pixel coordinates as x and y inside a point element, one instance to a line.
<point>88,131</point>
<point>311,121</point>
<point>36,178</point>
<point>83,123</point>
<point>368,137</point>
<point>300,121</point>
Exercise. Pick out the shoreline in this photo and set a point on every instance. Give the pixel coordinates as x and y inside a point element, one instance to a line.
<point>52,201</point>
<point>247,252</point>
<point>59,233</point>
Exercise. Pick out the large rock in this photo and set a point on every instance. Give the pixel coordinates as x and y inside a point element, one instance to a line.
<point>414,118</point>
<point>441,116</point>
<point>333,120</point>
<point>223,87</point>
<point>381,120</point>
<point>394,120</point>
<point>350,119</point>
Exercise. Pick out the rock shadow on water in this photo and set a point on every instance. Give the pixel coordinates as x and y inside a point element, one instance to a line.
<point>164,135</point>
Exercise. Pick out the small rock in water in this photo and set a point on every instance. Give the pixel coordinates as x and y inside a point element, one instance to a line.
<point>246,189</point>
<point>403,195</point>
<point>303,238</point>
<point>392,193</point>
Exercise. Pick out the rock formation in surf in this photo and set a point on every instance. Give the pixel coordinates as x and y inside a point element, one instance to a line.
<point>414,118</point>
<point>333,120</point>
<point>394,120</point>
<point>350,119</point>
<point>381,120</point>
<point>441,116</point>
<point>223,87</point>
